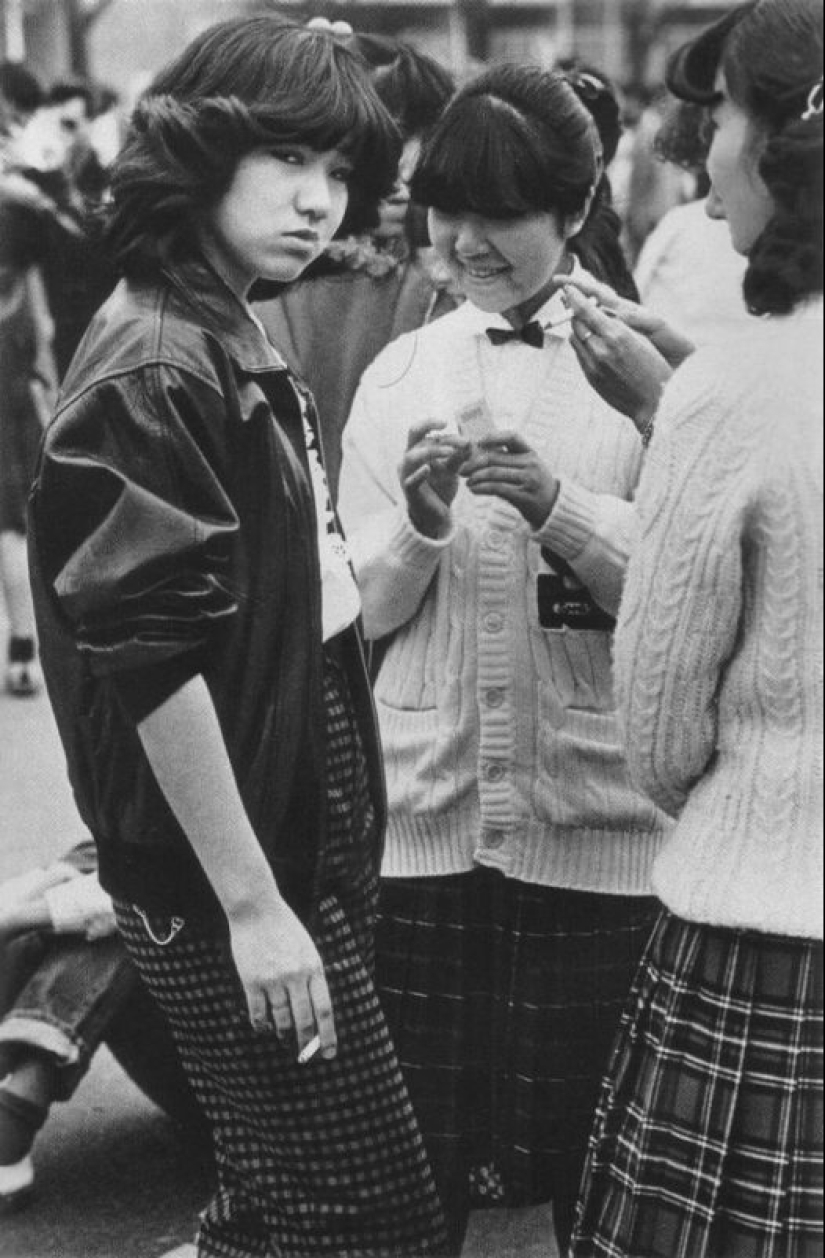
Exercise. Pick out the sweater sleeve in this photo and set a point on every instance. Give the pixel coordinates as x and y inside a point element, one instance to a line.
<point>683,591</point>
<point>394,564</point>
<point>595,534</point>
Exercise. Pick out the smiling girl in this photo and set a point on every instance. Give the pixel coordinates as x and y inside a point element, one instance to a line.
<point>198,622</point>
<point>487,494</point>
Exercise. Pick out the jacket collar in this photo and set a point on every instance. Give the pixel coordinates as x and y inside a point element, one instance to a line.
<point>223,313</point>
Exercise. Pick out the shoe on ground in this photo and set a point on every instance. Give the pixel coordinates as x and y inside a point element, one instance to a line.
<point>182,1251</point>
<point>23,679</point>
<point>16,1184</point>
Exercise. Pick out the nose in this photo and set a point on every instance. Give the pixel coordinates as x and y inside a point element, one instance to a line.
<point>469,238</point>
<point>313,197</point>
<point>713,205</point>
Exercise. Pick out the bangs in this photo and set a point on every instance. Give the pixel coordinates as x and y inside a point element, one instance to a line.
<point>485,157</point>
<point>282,82</point>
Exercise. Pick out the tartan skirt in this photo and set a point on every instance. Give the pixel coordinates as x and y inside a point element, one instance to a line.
<point>503,1001</point>
<point>322,1159</point>
<point>708,1138</point>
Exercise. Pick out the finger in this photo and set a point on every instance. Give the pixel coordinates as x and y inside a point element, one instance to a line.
<point>258,1009</point>
<point>507,442</point>
<point>418,431</point>
<point>280,1011</point>
<point>416,478</point>
<point>587,315</point>
<point>324,1018</point>
<point>303,1014</point>
<point>498,475</point>
<point>589,286</point>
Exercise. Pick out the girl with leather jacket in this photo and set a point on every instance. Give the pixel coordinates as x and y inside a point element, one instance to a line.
<point>198,624</point>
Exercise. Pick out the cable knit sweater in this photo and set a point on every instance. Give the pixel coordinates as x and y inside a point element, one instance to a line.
<point>719,648</point>
<point>501,738</point>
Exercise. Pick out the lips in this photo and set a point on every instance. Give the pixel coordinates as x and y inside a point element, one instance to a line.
<point>484,274</point>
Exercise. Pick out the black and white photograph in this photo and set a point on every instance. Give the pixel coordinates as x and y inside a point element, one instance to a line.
<point>411,629</point>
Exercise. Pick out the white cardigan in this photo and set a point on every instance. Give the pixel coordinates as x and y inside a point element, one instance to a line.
<point>719,646</point>
<point>501,740</point>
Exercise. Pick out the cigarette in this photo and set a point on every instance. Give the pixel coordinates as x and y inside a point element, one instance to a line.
<point>309,1050</point>
<point>565,318</point>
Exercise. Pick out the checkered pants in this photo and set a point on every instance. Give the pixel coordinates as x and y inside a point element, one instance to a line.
<point>708,1137</point>
<point>323,1159</point>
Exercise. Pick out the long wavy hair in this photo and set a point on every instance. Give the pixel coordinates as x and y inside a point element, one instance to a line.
<point>770,52</point>
<point>241,85</point>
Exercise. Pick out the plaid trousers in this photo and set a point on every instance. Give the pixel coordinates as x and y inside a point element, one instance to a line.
<point>322,1159</point>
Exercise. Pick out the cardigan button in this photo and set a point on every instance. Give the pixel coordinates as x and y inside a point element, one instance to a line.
<point>496,540</point>
<point>493,838</point>
<point>495,772</point>
<point>493,622</point>
<point>494,697</point>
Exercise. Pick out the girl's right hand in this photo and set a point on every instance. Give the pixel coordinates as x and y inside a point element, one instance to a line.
<point>282,976</point>
<point>673,346</point>
<point>429,476</point>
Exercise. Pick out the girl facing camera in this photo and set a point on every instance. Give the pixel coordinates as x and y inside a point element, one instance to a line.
<point>197,616</point>
<point>708,1139</point>
<point>487,493</point>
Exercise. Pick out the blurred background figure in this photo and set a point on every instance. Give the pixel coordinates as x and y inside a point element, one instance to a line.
<point>26,368</point>
<point>371,287</point>
<point>688,271</point>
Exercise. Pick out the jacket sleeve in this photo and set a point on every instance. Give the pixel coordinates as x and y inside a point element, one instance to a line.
<point>683,597</point>
<point>135,528</point>
<point>393,562</point>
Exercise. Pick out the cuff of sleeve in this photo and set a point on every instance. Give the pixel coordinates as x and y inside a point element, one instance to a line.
<point>413,546</point>
<point>143,690</point>
<point>570,524</point>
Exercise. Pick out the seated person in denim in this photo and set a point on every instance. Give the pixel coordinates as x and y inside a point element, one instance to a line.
<point>66,986</point>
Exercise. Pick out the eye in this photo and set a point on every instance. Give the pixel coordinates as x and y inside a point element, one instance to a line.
<point>344,173</point>
<point>289,156</point>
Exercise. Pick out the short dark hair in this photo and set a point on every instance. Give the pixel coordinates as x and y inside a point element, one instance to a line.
<point>72,89</point>
<point>521,140</point>
<point>413,86</point>
<point>20,87</point>
<point>770,52</point>
<point>240,85</point>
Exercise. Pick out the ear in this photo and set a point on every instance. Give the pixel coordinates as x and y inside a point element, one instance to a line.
<point>574,224</point>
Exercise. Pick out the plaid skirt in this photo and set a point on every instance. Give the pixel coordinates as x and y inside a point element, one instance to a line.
<point>503,1000</point>
<point>708,1138</point>
<point>323,1159</point>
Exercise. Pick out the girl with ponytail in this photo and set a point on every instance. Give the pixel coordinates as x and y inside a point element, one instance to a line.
<point>708,1139</point>
<point>514,901</point>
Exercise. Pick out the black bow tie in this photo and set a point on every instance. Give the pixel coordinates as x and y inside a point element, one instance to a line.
<point>532,334</point>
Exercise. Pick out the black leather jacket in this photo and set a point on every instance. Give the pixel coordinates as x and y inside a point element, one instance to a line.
<point>172,533</point>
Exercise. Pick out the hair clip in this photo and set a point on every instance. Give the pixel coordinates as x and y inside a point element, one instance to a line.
<point>341,31</point>
<point>814,104</point>
<point>581,80</point>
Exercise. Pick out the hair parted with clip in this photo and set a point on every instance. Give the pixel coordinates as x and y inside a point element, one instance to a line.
<point>770,53</point>
<point>520,140</point>
<point>241,85</point>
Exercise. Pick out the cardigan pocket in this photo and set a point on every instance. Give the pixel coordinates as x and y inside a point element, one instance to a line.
<point>427,765</point>
<point>582,780</point>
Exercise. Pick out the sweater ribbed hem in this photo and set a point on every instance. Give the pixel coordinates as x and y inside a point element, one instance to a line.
<point>579,860</point>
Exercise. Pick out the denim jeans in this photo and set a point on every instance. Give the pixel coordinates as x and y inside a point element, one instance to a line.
<point>65,996</point>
